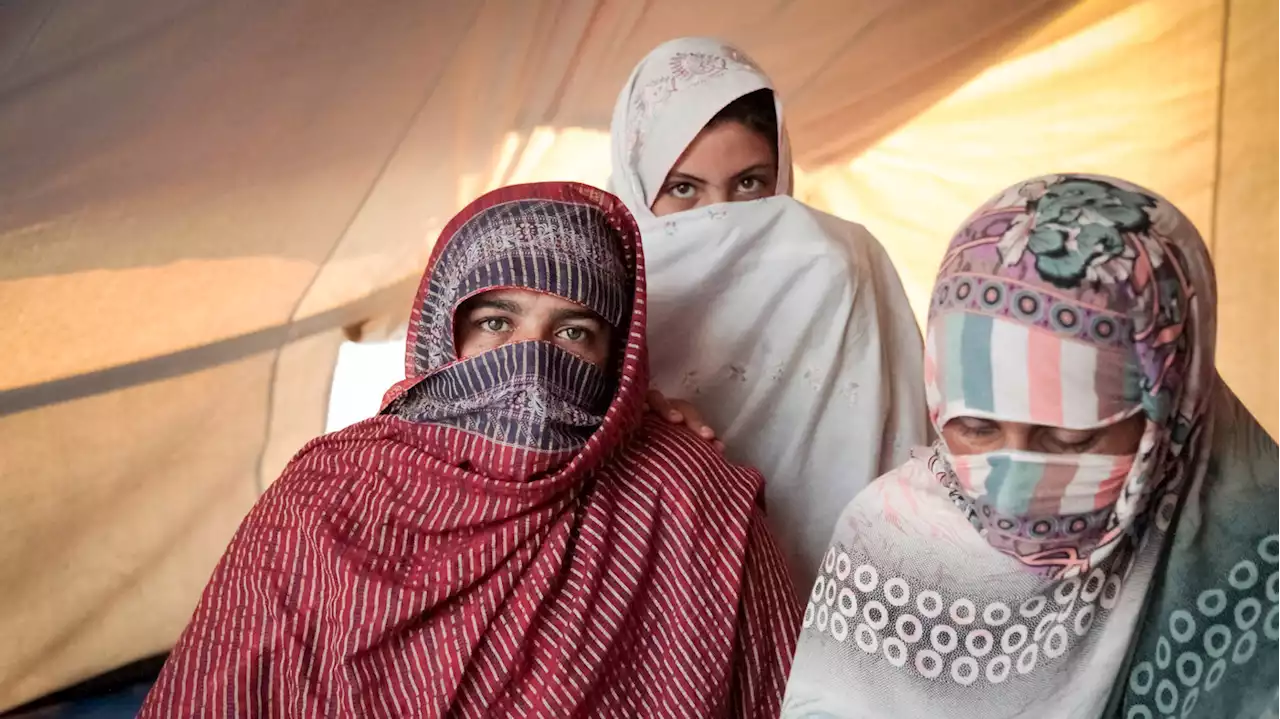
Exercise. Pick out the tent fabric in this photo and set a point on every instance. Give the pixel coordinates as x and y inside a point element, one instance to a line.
<point>197,198</point>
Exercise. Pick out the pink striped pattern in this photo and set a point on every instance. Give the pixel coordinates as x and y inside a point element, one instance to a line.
<point>371,580</point>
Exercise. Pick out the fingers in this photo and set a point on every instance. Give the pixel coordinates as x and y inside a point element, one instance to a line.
<point>679,411</point>
<point>693,419</point>
<point>659,404</point>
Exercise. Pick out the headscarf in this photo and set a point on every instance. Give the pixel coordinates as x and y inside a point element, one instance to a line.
<point>788,328</point>
<point>512,536</point>
<point>671,95</point>
<point>1014,584</point>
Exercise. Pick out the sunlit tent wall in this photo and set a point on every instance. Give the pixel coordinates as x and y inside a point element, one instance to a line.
<point>200,200</point>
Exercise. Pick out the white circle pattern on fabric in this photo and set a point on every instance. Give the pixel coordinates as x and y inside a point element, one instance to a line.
<point>875,614</point>
<point>866,578</point>
<point>1066,592</point>
<point>1013,639</point>
<point>965,671</point>
<point>1139,711</point>
<point>1093,585</point>
<point>1246,645</point>
<point>909,628</point>
<point>897,592</point>
<point>1269,549</point>
<point>996,614</point>
<point>884,621</point>
<point>963,611</point>
<point>944,639</point>
<point>1142,678</point>
<point>1164,653</point>
<point>1217,640</point>
<point>1027,659</point>
<point>998,669</point>
<point>1189,701</point>
<point>839,627</point>
<point>929,603</point>
<point>1031,608</point>
<point>1182,626</point>
<point>928,663</point>
<point>1190,668</point>
<point>1042,629</point>
<point>1213,677</point>
<point>1193,656</point>
<point>1111,592</point>
<point>1248,612</point>
<point>843,566</point>
<point>1066,612</point>
<point>979,642</point>
<point>847,603</point>
<point>1211,602</point>
<point>1271,625</point>
<point>867,639</point>
<point>895,651</point>
<point>1166,696</point>
<point>1057,642</point>
<point>819,588</point>
<point>1244,575</point>
<point>1084,620</point>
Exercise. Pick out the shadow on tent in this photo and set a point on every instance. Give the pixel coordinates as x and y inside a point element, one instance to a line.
<point>118,694</point>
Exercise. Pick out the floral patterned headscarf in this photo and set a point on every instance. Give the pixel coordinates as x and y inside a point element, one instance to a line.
<point>1072,301</point>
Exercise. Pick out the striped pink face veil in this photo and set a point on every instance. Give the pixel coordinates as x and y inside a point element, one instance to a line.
<point>1061,304</point>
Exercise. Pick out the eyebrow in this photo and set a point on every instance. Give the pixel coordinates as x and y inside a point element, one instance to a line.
<point>568,314</point>
<point>684,177</point>
<point>762,167</point>
<point>481,303</point>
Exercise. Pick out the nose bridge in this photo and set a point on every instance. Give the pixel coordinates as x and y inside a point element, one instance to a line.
<point>717,194</point>
<point>534,326</point>
<point>1017,437</point>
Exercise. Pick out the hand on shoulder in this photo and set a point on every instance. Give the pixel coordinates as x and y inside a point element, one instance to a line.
<point>679,411</point>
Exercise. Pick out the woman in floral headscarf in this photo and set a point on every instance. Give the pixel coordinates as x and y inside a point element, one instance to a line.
<point>1095,535</point>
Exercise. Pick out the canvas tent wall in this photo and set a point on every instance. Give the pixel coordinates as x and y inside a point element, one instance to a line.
<point>200,199</point>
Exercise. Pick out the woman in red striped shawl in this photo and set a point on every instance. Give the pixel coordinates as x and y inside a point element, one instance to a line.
<point>513,535</point>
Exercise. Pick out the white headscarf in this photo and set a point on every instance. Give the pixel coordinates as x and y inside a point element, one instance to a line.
<point>787,327</point>
<point>671,95</point>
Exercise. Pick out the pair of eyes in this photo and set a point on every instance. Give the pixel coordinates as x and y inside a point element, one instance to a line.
<point>1066,441</point>
<point>686,190</point>
<point>499,325</point>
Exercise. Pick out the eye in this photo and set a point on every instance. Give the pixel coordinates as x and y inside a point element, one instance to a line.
<point>574,334</point>
<point>1067,441</point>
<point>972,427</point>
<point>494,324</point>
<point>750,184</point>
<point>682,191</point>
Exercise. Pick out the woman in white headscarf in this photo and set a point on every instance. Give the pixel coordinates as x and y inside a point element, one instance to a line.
<point>787,327</point>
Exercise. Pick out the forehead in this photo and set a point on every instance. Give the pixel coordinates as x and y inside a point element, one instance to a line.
<point>725,148</point>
